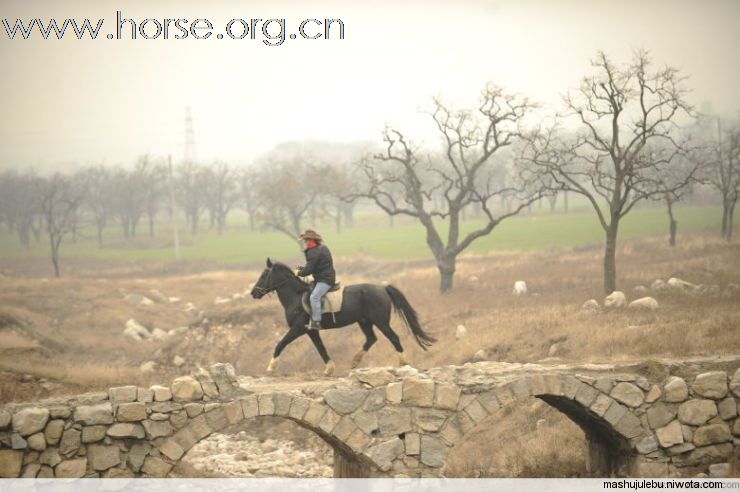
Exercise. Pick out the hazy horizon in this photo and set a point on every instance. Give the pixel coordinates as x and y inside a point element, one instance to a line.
<point>73,102</point>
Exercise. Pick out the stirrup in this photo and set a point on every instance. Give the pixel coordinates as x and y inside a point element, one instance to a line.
<point>314,325</point>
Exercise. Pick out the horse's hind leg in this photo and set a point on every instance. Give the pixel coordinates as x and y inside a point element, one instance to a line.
<point>316,339</point>
<point>391,335</point>
<point>370,339</point>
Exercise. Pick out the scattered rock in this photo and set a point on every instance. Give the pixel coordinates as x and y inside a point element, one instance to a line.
<point>186,388</point>
<point>658,286</point>
<point>591,306</point>
<point>460,332</point>
<point>148,366</point>
<point>615,300</point>
<point>640,290</point>
<point>647,303</point>
<point>520,287</point>
<point>178,361</point>
<point>221,300</point>
<point>479,356</point>
<point>136,331</point>
<point>678,285</point>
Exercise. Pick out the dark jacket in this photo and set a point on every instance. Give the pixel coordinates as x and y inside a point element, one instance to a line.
<point>319,264</point>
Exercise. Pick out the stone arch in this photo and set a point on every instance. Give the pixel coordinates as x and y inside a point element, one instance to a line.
<point>611,427</point>
<point>338,431</point>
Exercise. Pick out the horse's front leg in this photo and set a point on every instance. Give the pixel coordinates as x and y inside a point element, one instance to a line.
<point>294,332</point>
<point>328,363</point>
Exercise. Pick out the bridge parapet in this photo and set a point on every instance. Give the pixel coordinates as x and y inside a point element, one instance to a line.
<point>639,421</point>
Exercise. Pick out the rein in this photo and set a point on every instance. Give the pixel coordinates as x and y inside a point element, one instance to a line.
<point>263,290</point>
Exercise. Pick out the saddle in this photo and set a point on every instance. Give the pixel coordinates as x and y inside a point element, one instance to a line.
<point>330,303</point>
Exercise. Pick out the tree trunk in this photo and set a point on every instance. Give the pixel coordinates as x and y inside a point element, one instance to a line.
<point>610,260</point>
<point>725,215</point>
<point>730,221</point>
<point>673,224</point>
<point>100,235</point>
<point>674,227</point>
<point>151,225</point>
<point>565,202</point>
<point>446,267</point>
<point>54,255</point>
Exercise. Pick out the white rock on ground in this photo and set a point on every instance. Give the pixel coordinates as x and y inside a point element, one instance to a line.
<point>221,300</point>
<point>520,287</point>
<point>678,285</point>
<point>148,366</point>
<point>135,331</point>
<point>658,285</point>
<point>615,300</point>
<point>644,303</point>
<point>460,332</point>
<point>591,306</point>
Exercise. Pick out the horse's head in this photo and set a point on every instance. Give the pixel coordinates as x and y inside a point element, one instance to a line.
<point>272,277</point>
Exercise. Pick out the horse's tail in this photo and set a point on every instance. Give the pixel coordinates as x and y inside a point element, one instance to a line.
<point>404,309</point>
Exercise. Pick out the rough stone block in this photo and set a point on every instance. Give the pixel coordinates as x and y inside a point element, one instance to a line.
<point>131,412</point>
<point>266,404</point>
<point>418,392</point>
<point>345,400</point>
<point>711,385</point>
<point>697,412</point>
<point>30,420</point>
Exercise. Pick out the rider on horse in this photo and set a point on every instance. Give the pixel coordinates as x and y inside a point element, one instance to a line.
<point>319,263</point>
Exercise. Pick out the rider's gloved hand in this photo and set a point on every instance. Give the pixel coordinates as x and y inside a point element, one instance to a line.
<point>297,270</point>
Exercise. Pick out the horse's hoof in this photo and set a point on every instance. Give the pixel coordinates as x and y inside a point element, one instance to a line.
<point>272,366</point>
<point>402,361</point>
<point>329,369</point>
<point>358,358</point>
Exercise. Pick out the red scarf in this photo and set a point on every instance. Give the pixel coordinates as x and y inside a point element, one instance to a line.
<point>311,245</point>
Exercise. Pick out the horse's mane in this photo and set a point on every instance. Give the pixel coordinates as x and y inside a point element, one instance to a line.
<point>276,265</point>
<point>281,266</point>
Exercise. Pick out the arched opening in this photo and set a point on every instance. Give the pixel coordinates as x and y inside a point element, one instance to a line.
<point>270,446</point>
<point>542,436</point>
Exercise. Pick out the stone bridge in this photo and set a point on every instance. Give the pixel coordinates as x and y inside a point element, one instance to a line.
<point>650,419</point>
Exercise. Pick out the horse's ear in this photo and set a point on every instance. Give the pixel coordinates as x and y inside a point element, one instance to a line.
<point>269,262</point>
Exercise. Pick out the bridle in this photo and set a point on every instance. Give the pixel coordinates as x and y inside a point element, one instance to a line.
<point>263,291</point>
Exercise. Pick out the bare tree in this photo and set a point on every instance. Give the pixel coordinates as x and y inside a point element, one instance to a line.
<point>287,189</point>
<point>722,170</point>
<point>61,197</point>
<point>248,191</point>
<point>402,180</point>
<point>98,182</point>
<point>19,205</point>
<point>219,186</point>
<point>152,178</point>
<point>189,185</point>
<point>621,111</point>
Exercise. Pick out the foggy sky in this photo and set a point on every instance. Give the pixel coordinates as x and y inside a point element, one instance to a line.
<point>108,101</point>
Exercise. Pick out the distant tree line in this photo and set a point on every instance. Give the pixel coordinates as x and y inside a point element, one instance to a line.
<point>625,135</point>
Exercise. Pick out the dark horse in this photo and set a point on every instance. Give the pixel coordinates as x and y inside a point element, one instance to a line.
<point>364,304</point>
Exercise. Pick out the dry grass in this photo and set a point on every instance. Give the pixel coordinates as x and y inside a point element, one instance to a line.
<point>68,332</point>
<point>528,439</point>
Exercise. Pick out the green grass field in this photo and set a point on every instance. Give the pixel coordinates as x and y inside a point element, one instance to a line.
<point>371,235</point>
